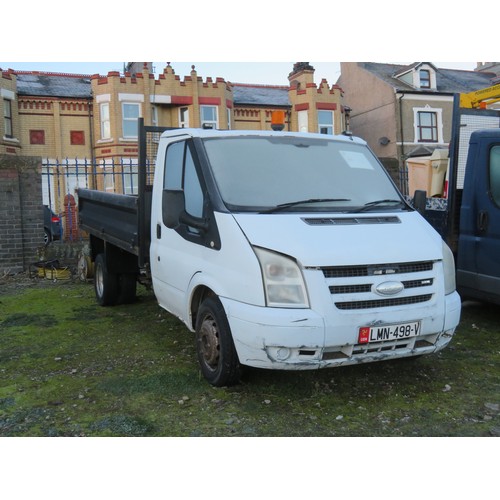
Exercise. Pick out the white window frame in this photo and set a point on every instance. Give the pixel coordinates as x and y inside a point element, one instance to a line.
<point>439,124</point>
<point>184,117</point>
<point>130,176</point>
<point>303,121</point>
<point>8,119</point>
<point>105,121</point>
<point>329,126</point>
<point>126,120</point>
<point>432,77</point>
<point>427,80</point>
<point>108,173</point>
<point>214,123</point>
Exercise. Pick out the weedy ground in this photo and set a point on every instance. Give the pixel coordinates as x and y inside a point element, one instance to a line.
<point>71,368</point>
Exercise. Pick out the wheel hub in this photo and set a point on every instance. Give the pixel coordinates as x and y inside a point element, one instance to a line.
<point>99,280</point>
<point>209,341</point>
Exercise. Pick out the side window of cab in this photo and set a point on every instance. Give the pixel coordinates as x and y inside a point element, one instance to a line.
<point>181,175</point>
<point>495,174</point>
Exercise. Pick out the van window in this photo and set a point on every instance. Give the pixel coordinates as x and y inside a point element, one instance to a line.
<point>495,174</point>
<point>172,178</point>
<point>192,188</point>
<point>180,174</point>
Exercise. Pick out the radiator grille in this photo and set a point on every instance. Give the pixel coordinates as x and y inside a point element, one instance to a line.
<point>350,288</point>
<point>367,287</point>
<point>355,287</point>
<point>377,270</point>
<point>369,304</point>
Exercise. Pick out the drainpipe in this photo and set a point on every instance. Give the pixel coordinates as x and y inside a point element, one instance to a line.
<point>91,141</point>
<point>402,156</point>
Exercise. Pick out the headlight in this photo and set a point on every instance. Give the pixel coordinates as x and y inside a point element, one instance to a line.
<point>449,270</point>
<point>283,281</point>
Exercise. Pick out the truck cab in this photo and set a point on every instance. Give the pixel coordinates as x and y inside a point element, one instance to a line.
<point>293,251</point>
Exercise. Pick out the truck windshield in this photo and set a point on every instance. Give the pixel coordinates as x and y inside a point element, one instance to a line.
<point>282,174</point>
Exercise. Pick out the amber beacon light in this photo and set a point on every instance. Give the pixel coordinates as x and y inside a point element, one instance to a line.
<point>278,120</point>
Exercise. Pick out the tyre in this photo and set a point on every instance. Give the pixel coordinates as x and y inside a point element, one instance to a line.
<point>85,268</point>
<point>105,284</point>
<point>47,238</point>
<point>127,288</point>
<point>214,345</point>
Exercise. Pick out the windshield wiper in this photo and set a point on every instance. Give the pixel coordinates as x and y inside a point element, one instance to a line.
<point>375,204</point>
<point>284,206</point>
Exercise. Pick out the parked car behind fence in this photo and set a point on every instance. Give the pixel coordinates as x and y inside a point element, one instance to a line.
<point>52,225</point>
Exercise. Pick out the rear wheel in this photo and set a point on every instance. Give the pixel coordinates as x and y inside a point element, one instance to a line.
<point>214,345</point>
<point>127,288</point>
<point>105,283</point>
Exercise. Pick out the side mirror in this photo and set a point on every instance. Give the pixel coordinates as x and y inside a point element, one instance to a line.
<point>172,205</point>
<point>420,200</point>
<point>174,211</point>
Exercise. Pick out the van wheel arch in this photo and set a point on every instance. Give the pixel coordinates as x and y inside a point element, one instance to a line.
<point>215,348</point>
<point>199,295</point>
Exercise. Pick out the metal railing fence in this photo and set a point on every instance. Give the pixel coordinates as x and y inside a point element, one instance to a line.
<point>61,180</point>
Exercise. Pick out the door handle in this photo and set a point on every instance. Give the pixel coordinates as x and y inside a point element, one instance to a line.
<point>158,231</point>
<point>482,221</point>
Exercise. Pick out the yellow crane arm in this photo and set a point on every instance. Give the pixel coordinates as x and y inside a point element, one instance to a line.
<point>480,97</point>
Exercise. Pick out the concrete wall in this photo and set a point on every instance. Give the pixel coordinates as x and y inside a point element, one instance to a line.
<point>374,109</point>
<point>21,213</point>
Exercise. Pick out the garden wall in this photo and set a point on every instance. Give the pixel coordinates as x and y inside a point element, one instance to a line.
<point>21,213</point>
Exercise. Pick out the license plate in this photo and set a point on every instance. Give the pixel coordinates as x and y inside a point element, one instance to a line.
<point>381,333</point>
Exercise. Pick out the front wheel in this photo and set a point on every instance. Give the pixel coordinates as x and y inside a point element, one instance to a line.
<point>214,345</point>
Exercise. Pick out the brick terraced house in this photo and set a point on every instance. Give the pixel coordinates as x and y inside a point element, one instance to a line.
<point>83,124</point>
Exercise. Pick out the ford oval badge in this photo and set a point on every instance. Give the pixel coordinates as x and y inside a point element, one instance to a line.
<point>389,288</point>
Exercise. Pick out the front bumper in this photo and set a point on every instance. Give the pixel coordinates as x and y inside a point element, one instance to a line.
<point>296,339</point>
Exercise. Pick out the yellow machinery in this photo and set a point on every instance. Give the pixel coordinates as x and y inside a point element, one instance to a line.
<point>480,98</point>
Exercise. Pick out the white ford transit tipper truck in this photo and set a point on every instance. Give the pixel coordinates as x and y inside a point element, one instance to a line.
<point>279,250</point>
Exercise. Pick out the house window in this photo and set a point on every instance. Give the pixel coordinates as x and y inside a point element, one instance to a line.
<point>130,114</point>
<point>154,116</point>
<point>325,122</point>
<point>130,178</point>
<point>425,79</point>
<point>7,117</point>
<point>105,122</point>
<point>303,121</point>
<point>427,126</point>
<point>108,176</point>
<point>208,117</point>
<point>184,117</point>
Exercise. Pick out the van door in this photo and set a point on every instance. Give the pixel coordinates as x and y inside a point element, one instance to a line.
<point>478,254</point>
<point>488,224</point>
<point>178,252</point>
